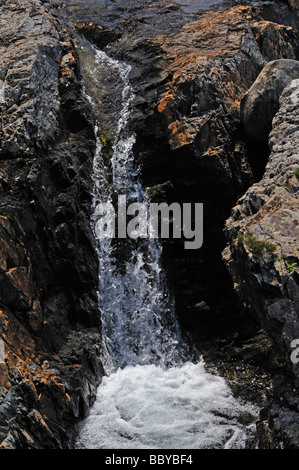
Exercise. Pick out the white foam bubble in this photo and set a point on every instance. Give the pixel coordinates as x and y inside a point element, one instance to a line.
<point>148,407</point>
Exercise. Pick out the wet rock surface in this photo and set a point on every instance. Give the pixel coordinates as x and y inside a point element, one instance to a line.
<point>190,70</point>
<point>48,270</point>
<point>264,264</point>
<point>261,102</point>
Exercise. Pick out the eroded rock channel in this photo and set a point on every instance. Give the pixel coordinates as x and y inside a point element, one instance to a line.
<point>193,70</point>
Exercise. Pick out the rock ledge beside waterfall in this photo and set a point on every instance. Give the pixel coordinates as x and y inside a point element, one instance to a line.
<point>48,266</point>
<point>267,281</point>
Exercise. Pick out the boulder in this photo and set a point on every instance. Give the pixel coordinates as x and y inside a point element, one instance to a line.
<point>261,102</point>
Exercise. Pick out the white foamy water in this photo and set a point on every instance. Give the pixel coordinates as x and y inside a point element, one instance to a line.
<point>155,395</point>
<point>147,407</point>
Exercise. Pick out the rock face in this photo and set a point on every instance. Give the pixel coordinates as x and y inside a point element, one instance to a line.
<point>189,73</point>
<point>262,256</point>
<point>48,268</point>
<point>260,104</point>
<point>294,4</point>
<point>190,139</point>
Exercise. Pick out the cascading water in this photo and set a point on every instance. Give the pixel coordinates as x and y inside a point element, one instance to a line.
<point>154,395</point>
<point>132,291</point>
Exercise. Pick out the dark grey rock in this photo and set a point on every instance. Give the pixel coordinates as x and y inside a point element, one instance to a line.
<point>269,284</point>
<point>48,262</point>
<point>261,102</point>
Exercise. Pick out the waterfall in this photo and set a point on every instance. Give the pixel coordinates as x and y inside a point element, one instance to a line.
<point>154,395</point>
<point>139,324</point>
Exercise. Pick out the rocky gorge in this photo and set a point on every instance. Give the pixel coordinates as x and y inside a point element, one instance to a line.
<point>215,114</point>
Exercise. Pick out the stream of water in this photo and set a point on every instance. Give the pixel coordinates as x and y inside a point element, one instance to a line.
<point>155,394</point>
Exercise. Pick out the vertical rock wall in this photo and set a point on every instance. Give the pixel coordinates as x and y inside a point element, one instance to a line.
<point>48,267</point>
<point>263,258</point>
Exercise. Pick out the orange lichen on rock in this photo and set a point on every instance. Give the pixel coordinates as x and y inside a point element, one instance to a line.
<point>180,133</point>
<point>174,127</point>
<point>163,104</point>
<point>166,103</point>
<point>3,319</point>
<point>67,64</point>
<point>71,58</point>
<point>206,71</point>
<point>20,279</point>
<point>68,59</point>
<point>213,151</point>
<point>184,139</point>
